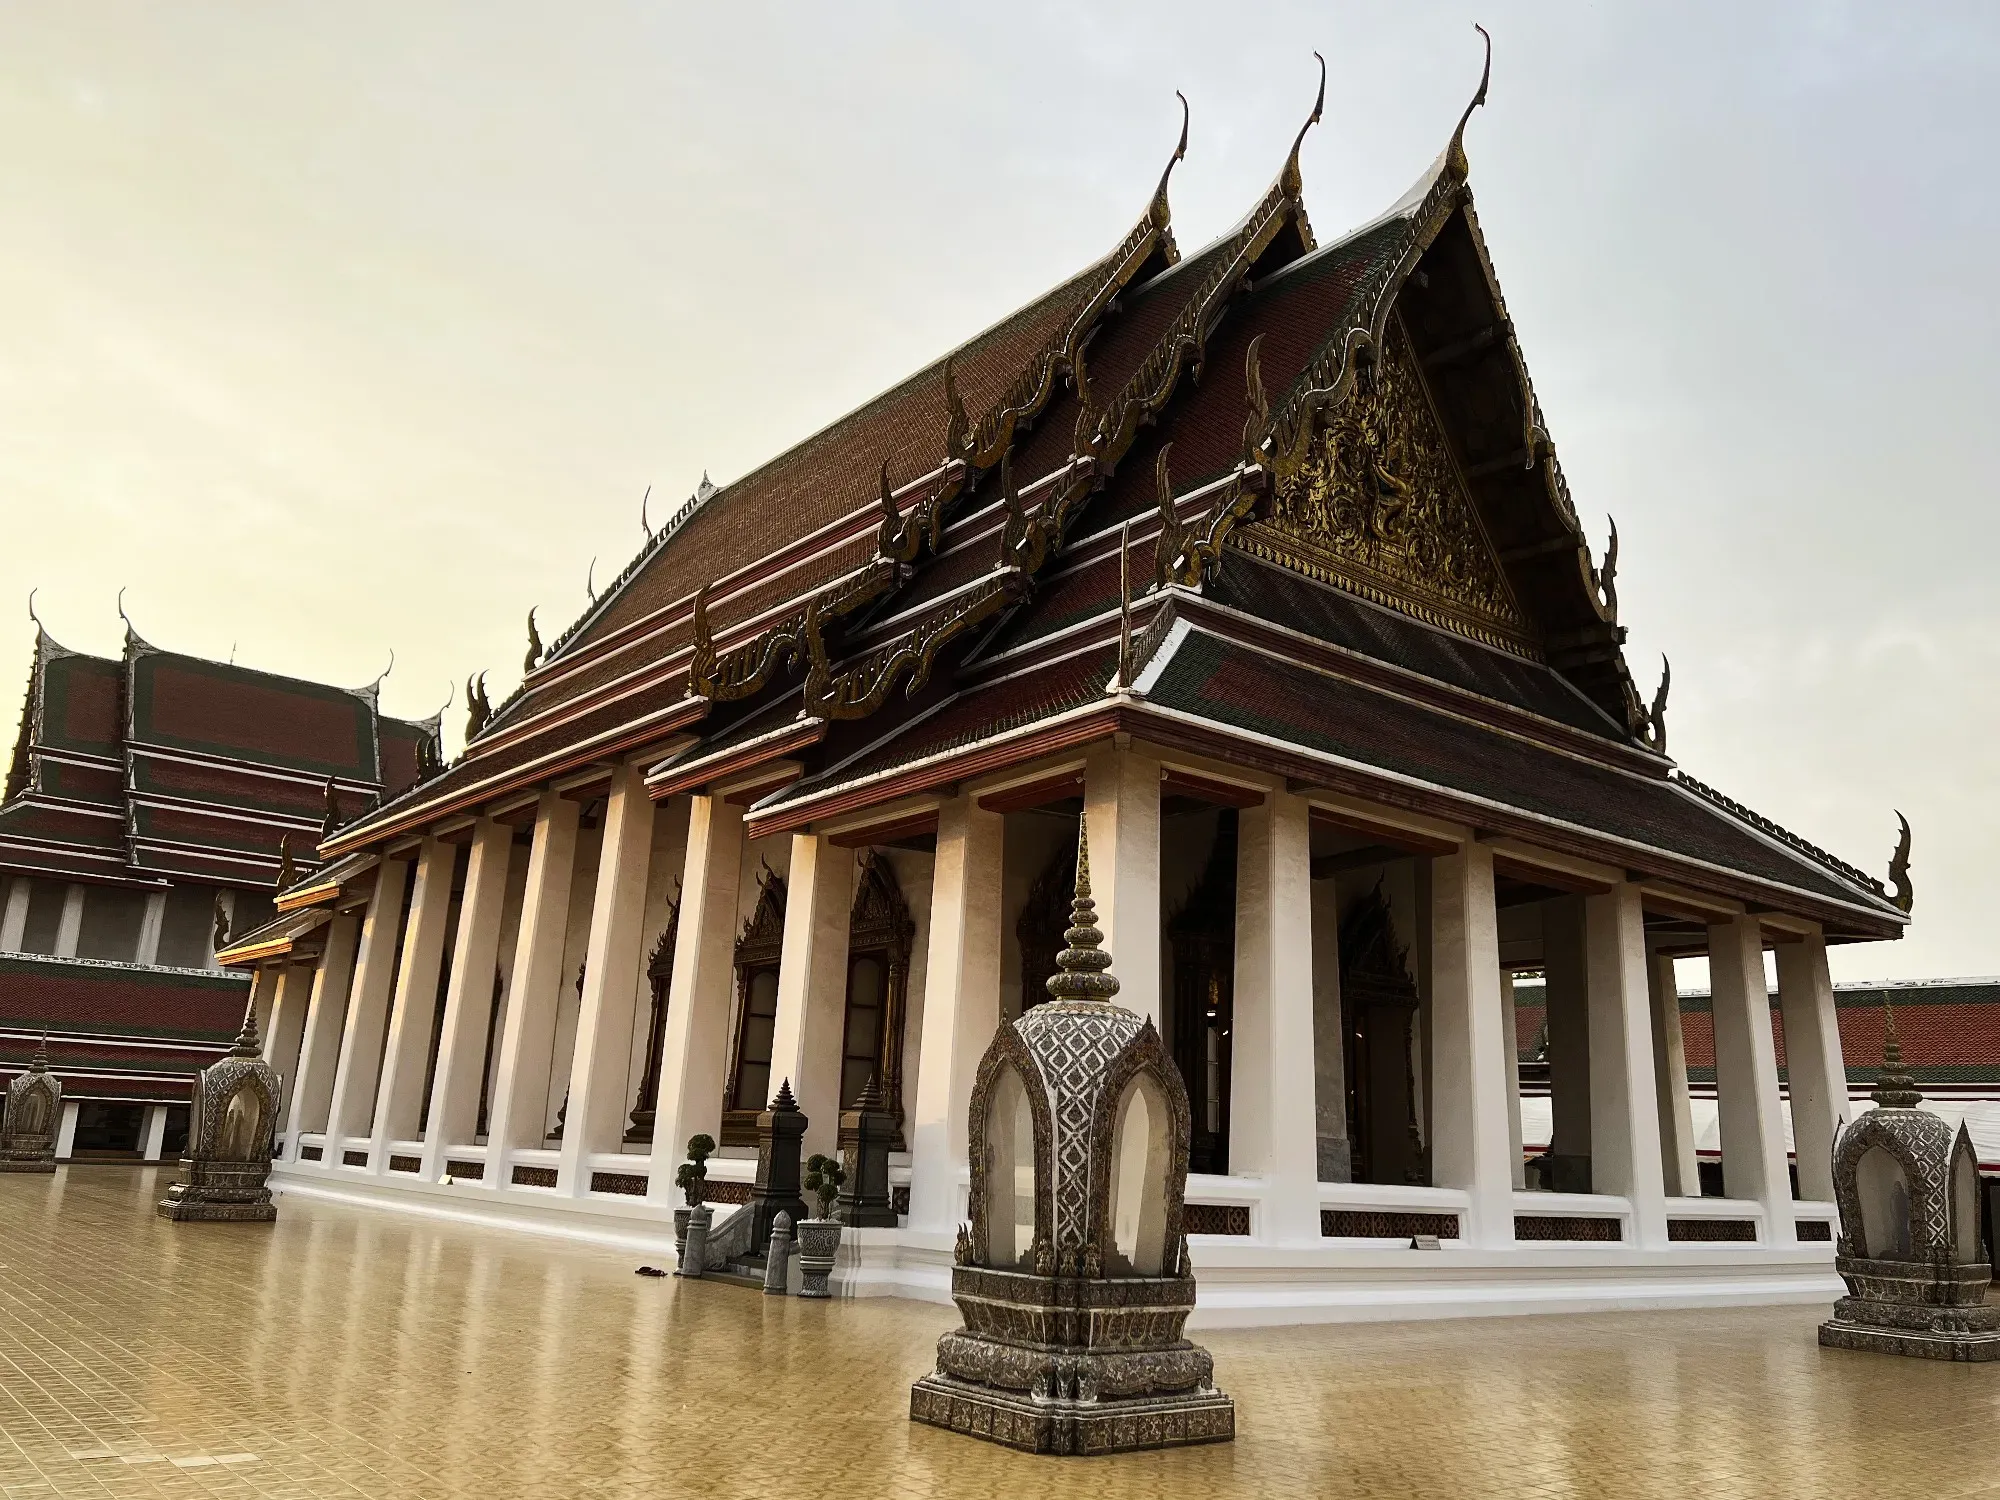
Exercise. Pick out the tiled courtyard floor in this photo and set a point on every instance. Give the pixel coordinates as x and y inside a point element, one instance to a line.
<point>346,1352</point>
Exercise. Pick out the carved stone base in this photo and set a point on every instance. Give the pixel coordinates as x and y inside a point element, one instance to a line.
<point>27,1164</point>
<point>1076,1428</point>
<point>194,1206</point>
<point>1970,1348</point>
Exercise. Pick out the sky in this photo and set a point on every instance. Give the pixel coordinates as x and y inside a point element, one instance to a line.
<point>332,331</point>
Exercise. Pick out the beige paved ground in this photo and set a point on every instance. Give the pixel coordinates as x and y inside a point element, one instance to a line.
<point>345,1352</point>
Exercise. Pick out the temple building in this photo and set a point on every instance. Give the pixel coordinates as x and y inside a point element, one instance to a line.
<point>1256,561</point>
<point>155,802</point>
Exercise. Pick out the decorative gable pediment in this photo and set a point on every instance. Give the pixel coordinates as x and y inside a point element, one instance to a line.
<point>1373,502</point>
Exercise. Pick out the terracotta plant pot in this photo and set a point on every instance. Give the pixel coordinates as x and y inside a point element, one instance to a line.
<point>819,1243</point>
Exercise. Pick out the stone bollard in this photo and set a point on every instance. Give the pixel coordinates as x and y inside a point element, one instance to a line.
<point>681,1233</point>
<point>819,1246</point>
<point>778,1261</point>
<point>695,1249</point>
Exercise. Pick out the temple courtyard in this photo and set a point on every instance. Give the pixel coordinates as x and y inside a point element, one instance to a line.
<point>345,1351</point>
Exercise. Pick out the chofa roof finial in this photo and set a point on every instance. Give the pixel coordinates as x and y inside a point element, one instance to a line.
<point>1895,1088</point>
<point>1455,152</point>
<point>1159,211</point>
<point>1899,869</point>
<point>1083,968</point>
<point>1290,179</point>
<point>534,644</point>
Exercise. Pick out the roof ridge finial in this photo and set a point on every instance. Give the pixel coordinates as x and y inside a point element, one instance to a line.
<point>247,1044</point>
<point>1290,179</point>
<point>1083,968</point>
<point>31,609</point>
<point>1455,153</point>
<point>1899,869</point>
<point>1895,1088</point>
<point>1158,211</point>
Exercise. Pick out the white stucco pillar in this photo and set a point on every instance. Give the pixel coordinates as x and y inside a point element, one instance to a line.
<point>14,916</point>
<point>1813,1062</point>
<point>69,926</point>
<point>153,1144</point>
<point>812,986</point>
<point>1473,1038</point>
<point>1334,1161</point>
<point>1511,1038</point>
<point>152,922</point>
<point>1121,802</point>
<point>326,1015</point>
<point>1746,1076</point>
<point>1272,1098</point>
<point>285,1034</point>
<point>66,1130</point>
<point>517,1103</point>
<point>694,1045</point>
<point>961,1006</point>
<point>602,1055</point>
<point>468,1001</point>
<point>361,1039</point>
<point>399,1110</point>
<point>1679,1165</point>
<point>1624,1108</point>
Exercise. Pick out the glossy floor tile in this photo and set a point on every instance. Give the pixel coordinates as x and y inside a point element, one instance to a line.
<point>348,1352</point>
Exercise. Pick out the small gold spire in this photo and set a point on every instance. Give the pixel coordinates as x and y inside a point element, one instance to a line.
<point>1895,1088</point>
<point>1083,968</point>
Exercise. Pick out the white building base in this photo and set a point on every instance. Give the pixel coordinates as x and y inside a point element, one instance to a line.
<point>1243,1284</point>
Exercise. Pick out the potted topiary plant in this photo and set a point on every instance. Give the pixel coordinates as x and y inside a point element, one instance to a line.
<point>691,1222</point>
<point>819,1239</point>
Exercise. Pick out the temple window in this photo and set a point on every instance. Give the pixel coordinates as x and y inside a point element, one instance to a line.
<point>880,935</point>
<point>757,955</point>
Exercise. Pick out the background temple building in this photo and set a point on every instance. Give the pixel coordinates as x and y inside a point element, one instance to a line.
<point>144,814</point>
<point>1259,561</point>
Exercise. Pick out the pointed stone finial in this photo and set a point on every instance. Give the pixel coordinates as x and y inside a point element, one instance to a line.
<point>871,1096</point>
<point>247,1043</point>
<point>41,1060</point>
<point>1895,1088</point>
<point>784,1099</point>
<point>1083,969</point>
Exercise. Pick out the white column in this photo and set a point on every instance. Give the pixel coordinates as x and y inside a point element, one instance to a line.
<point>326,1015</point>
<point>1746,1076</point>
<point>961,1006</point>
<point>812,985</point>
<point>154,1144</point>
<point>1272,1114</point>
<point>1121,802</point>
<point>1334,1155</point>
<point>66,1131</point>
<point>286,1032</point>
<point>695,1048</point>
<point>1678,1162</point>
<point>151,924</point>
<point>367,1010</point>
<point>602,1055</point>
<point>14,917</point>
<point>69,927</point>
<point>1813,1061</point>
<point>1511,1032</point>
<point>1473,1039</point>
<point>399,1108</point>
<point>1624,1111</point>
<point>1566,986</point>
<point>518,1100</point>
<point>468,1002</point>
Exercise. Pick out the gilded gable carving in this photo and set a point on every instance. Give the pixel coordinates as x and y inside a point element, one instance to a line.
<point>1376,505</point>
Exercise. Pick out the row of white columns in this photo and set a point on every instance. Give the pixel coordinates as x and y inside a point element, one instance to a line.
<point>69,923</point>
<point>359,1022</point>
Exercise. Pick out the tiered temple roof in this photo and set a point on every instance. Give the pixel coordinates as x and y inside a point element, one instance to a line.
<point>155,767</point>
<point>1348,550</point>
